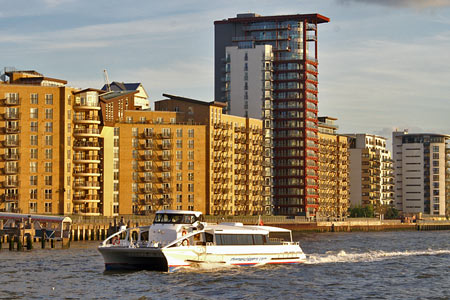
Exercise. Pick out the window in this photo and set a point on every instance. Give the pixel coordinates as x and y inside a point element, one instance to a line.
<point>179,165</point>
<point>48,153</point>
<point>49,99</point>
<point>48,126</point>
<point>33,194</point>
<point>33,180</point>
<point>48,167</point>
<point>34,126</point>
<point>116,131</point>
<point>246,56</point>
<point>48,206</point>
<point>33,113</point>
<point>190,187</point>
<point>33,166</point>
<point>179,154</point>
<point>33,98</point>
<point>191,144</point>
<point>435,162</point>
<point>435,148</point>
<point>179,187</point>
<point>191,176</point>
<point>33,140</point>
<point>191,155</point>
<point>179,132</point>
<point>134,131</point>
<point>48,140</point>
<point>48,180</point>
<point>246,67</point>
<point>190,198</point>
<point>179,176</point>
<point>191,165</point>
<point>48,113</point>
<point>33,207</point>
<point>191,133</point>
<point>179,198</point>
<point>435,155</point>
<point>179,144</point>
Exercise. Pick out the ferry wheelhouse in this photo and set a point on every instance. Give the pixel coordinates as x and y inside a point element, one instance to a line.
<point>180,239</point>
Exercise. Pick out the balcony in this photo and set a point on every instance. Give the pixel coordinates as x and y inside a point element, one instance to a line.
<point>86,105</point>
<point>165,157</point>
<point>95,185</point>
<point>86,119</point>
<point>146,146</point>
<point>165,146</point>
<point>11,170</point>
<point>146,179</point>
<point>165,135</point>
<point>11,156</point>
<point>87,211</point>
<point>10,183</point>
<point>86,198</point>
<point>147,157</point>
<point>11,143</point>
<point>86,159</point>
<point>166,168</point>
<point>147,134</point>
<point>88,132</point>
<point>12,101</point>
<point>11,116</point>
<point>9,130</point>
<point>86,171</point>
<point>10,197</point>
<point>86,145</point>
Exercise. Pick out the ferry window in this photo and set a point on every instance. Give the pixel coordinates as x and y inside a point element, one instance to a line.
<point>174,219</point>
<point>234,239</point>
<point>258,239</point>
<point>209,238</point>
<point>189,219</point>
<point>280,236</point>
<point>144,236</point>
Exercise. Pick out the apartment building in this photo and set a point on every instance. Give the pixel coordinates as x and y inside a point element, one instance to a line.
<point>333,171</point>
<point>34,126</point>
<point>235,176</point>
<point>371,171</point>
<point>140,100</point>
<point>421,164</point>
<point>267,66</point>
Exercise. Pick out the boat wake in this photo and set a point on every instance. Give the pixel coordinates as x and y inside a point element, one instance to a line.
<point>376,255</point>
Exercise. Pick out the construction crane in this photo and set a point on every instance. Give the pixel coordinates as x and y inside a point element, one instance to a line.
<point>108,87</point>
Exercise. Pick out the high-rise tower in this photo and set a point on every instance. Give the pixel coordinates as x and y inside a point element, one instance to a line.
<point>284,95</point>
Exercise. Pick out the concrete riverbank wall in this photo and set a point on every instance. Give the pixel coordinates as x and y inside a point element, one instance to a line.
<point>98,228</point>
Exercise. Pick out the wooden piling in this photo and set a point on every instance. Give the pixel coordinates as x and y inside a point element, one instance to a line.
<point>29,242</point>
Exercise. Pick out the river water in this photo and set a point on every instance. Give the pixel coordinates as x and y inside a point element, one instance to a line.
<point>366,265</point>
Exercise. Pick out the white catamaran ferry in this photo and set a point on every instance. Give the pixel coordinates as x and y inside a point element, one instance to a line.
<point>178,239</point>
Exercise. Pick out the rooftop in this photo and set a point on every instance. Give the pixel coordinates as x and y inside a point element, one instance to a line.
<point>252,17</point>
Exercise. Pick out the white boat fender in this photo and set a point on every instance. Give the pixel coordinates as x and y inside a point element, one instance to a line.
<point>185,242</point>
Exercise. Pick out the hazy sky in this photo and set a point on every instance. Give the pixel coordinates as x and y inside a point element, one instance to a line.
<point>384,64</point>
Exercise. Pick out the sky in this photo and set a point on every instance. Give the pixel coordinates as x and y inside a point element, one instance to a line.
<point>383,64</point>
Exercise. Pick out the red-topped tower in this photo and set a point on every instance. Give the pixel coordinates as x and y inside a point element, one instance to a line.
<point>287,104</point>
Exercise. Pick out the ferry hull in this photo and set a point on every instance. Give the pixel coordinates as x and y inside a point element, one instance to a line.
<point>118,258</point>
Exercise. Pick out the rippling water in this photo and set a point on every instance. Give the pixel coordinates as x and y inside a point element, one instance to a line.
<point>386,265</point>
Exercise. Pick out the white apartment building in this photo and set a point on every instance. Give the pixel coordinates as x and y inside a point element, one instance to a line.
<point>420,163</point>
<point>371,175</point>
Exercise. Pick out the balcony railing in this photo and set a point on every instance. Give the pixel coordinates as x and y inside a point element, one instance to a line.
<point>86,131</point>
<point>86,184</point>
